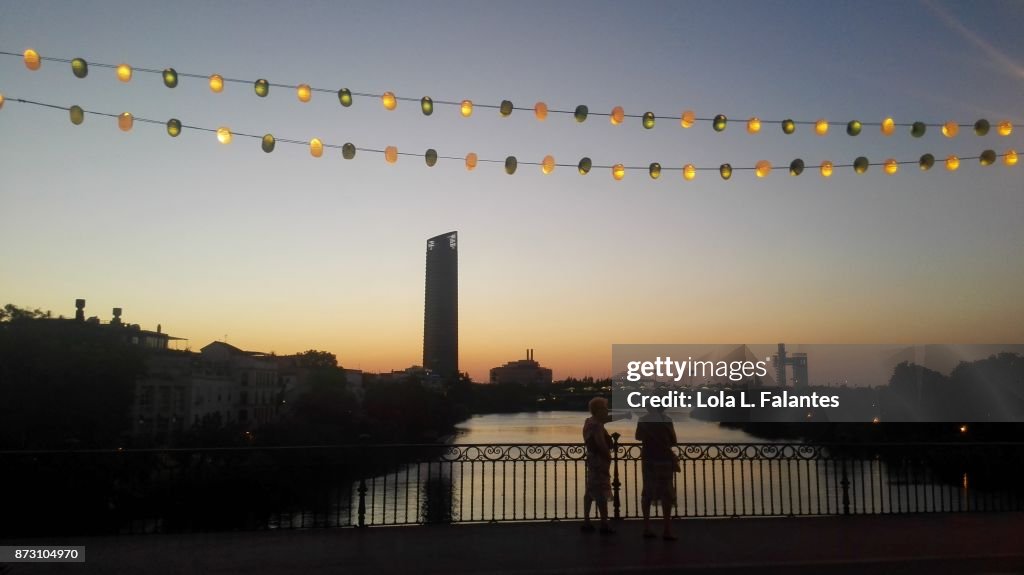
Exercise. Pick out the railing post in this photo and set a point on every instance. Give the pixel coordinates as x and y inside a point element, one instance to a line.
<point>362,484</point>
<point>845,483</point>
<point>362,501</point>
<point>615,476</point>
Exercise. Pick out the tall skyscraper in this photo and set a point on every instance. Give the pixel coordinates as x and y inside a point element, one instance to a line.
<point>441,307</point>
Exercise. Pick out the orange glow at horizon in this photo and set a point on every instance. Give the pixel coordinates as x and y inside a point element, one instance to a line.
<point>567,338</point>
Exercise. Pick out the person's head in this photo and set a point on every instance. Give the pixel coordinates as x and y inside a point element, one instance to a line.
<point>656,413</point>
<point>599,408</point>
<point>659,410</point>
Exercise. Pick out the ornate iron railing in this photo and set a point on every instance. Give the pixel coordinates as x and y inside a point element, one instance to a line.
<point>364,485</point>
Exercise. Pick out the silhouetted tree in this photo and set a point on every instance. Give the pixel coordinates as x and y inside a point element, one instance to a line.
<point>915,393</point>
<point>326,412</point>
<point>407,410</point>
<point>316,359</point>
<point>990,389</point>
<point>11,312</point>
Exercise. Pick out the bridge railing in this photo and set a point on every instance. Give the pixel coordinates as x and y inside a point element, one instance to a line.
<point>142,491</point>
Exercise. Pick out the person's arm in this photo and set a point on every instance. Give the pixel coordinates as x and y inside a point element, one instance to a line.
<point>672,447</point>
<point>641,432</point>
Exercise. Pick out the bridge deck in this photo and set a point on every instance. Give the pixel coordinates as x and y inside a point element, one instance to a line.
<point>964,543</point>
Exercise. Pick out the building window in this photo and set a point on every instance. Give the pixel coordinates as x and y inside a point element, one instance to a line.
<point>146,398</point>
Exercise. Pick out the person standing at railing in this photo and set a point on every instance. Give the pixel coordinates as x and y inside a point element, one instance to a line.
<point>599,460</point>
<point>659,466</point>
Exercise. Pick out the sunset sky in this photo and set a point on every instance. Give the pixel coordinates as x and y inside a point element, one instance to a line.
<point>284,252</point>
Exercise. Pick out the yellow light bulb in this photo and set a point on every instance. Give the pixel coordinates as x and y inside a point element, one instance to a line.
<point>950,129</point>
<point>216,83</point>
<point>540,110</point>
<point>617,116</point>
<point>689,172</point>
<point>1005,128</point>
<point>821,127</point>
<point>890,166</point>
<point>548,165</point>
<point>762,169</point>
<point>304,92</point>
<point>687,119</point>
<point>223,135</point>
<point>466,109</point>
<point>952,163</point>
<point>753,125</point>
<point>316,148</point>
<point>124,72</point>
<point>1,101</point>
<point>391,154</point>
<point>826,169</point>
<point>471,161</point>
<point>389,101</point>
<point>32,60</point>
<point>618,171</point>
<point>1010,158</point>
<point>125,121</point>
<point>888,127</point>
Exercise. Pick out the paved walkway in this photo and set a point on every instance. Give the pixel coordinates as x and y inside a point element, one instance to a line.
<point>962,543</point>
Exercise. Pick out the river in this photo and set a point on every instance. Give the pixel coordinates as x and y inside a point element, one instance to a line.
<point>567,427</point>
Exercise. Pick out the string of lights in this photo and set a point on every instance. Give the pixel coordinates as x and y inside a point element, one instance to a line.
<point>268,142</point>
<point>687,119</point>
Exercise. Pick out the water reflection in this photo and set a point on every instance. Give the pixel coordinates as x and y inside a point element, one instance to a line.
<point>438,498</point>
<point>567,426</point>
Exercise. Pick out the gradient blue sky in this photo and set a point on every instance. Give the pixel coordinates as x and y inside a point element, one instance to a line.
<point>285,252</point>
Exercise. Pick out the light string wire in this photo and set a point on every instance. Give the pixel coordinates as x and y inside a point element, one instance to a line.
<point>1009,157</point>
<point>644,116</point>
